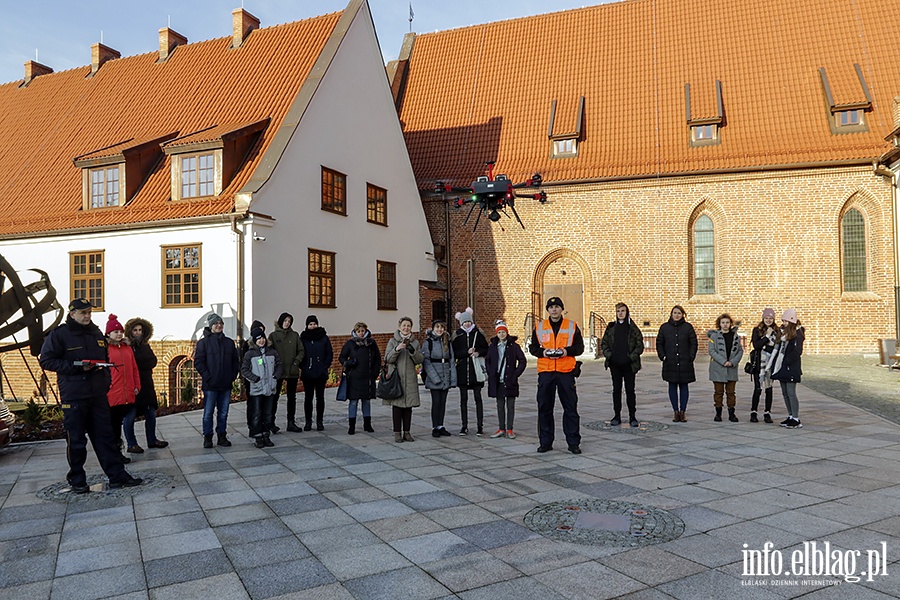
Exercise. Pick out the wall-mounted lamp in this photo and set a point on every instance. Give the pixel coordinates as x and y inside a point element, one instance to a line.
<point>258,238</point>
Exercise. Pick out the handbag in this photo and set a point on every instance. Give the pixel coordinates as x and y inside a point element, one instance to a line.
<point>389,385</point>
<point>750,366</point>
<point>342,389</point>
<point>478,363</point>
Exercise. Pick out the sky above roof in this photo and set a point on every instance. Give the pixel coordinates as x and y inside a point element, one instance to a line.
<point>62,31</point>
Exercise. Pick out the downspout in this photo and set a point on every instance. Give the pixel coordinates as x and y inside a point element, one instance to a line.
<point>236,219</point>
<point>892,175</point>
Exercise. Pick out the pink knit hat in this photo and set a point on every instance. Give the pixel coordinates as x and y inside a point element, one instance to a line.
<point>790,315</point>
<point>769,312</point>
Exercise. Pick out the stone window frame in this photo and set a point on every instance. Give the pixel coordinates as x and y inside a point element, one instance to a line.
<point>848,280</point>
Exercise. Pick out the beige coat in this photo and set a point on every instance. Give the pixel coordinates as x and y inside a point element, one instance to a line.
<point>405,362</point>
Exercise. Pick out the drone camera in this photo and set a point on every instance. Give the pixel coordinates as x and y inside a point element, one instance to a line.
<point>494,216</point>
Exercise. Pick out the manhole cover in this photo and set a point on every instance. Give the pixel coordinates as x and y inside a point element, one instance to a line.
<point>597,522</point>
<point>645,427</point>
<point>62,492</point>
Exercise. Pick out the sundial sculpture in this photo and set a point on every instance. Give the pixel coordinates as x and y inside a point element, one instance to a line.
<point>22,308</point>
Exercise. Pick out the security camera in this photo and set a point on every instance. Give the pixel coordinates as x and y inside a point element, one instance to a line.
<point>258,238</point>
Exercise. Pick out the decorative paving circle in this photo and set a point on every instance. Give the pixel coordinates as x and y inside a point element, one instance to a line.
<point>596,522</point>
<point>646,426</point>
<point>62,492</point>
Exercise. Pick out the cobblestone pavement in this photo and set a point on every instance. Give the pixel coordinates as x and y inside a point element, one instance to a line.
<point>668,510</point>
<point>856,380</point>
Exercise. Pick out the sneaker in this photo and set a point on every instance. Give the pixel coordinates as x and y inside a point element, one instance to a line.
<point>129,481</point>
<point>292,427</point>
<point>616,421</point>
<point>464,431</point>
<point>435,432</point>
<point>511,434</point>
<point>81,488</point>
<point>159,444</point>
<point>767,418</point>
<point>125,460</point>
<point>275,429</point>
<point>543,449</point>
<point>320,427</point>
<point>444,432</point>
<point>207,441</point>
<point>498,434</point>
<point>753,418</point>
<point>479,433</point>
<point>635,423</point>
<point>259,443</point>
<point>223,440</point>
<point>794,424</point>
<point>136,449</point>
<point>267,442</point>
<point>575,449</point>
<point>786,421</point>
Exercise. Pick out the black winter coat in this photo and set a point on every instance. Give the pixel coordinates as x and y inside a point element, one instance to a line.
<point>465,369</point>
<point>146,361</point>
<point>216,359</point>
<point>318,354</point>
<point>362,363</point>
<point>515,366</point>
<point>676,346</point>
<point>72,342</point>
<point>790,365</point>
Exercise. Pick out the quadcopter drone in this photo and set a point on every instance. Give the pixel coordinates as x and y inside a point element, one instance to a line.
<point>492,195</point>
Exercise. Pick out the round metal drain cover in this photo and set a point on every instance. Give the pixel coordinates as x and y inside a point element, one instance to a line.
<point>596,522</point>
<point>646,426</point>
<point>62,492</point>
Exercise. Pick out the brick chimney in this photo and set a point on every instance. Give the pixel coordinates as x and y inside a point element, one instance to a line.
<point>243,24</point>
<point>100,54</point>
<point>169,39</point>
<point>34,69</point>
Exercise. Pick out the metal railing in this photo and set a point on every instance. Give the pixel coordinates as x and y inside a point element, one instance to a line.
<point>528,327</point>
<point>596,327</point>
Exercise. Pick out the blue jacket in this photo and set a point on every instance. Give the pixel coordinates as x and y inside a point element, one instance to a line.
<point>318,354</point>
<point>72,342</point>
<point>216,359</point>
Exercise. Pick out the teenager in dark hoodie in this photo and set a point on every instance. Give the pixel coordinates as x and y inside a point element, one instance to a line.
<point>318,355</point>
<point>287,343</point>
<point>622,346</point>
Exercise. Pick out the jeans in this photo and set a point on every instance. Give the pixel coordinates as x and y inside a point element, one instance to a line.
<point>464,406</point>
<point>215,400</point>
<point>791,402</point>
<point>506,411</point>
<point>291,390</point>
<point>259,414</point>
<point>676,390</point>
<point>366,406</point>
<point>149,427</point>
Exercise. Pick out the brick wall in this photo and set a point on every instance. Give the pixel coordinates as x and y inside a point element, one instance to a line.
<point>777,243</point>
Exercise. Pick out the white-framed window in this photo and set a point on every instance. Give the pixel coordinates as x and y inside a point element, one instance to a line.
<point>704,133</point>
<point>104,187</point>
<point>848,118</point>
<point>566,147</point>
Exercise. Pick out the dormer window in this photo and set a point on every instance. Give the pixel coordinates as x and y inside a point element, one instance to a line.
<point>105,186</point>
<point>704,130</point>
<point>848,118</point>
<point>567,147</point>
<point>846,112</point>
<point>198,175</point>
<point>701,133</point>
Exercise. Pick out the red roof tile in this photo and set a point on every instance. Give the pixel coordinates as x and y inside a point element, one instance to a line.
<point>631,61</point>
<point>61,116</point>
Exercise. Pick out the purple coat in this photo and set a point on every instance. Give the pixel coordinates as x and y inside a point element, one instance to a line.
<point>515,366</point>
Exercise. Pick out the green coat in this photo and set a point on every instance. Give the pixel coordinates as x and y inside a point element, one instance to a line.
<point>287,343</point>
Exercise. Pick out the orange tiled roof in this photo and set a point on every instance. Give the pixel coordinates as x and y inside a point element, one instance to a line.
<point>484,92</point>
<point>61,116</point>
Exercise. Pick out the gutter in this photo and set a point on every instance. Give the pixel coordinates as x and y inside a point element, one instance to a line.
<point>892,175</point>
<point>237,221</point>
<point>206,220</point>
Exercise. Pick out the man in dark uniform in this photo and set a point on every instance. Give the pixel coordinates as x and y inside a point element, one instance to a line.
<point>72,351</point>
<point>556,342</point>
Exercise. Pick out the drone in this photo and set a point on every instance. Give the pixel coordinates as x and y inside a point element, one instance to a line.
<point>492,195</point>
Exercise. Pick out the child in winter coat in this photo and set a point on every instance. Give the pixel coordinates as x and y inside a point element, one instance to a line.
<point>725,353</point>
<point>765,340</point>
<point>440,373</point>
<point>505,363</point>
<point>126,381</point>
<point>786,365</point>
<point>262,368</point>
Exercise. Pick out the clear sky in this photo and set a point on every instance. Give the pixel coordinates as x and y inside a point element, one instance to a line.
<point>62,31</point>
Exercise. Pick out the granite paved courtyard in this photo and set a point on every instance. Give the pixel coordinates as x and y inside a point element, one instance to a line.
<point>673,510</point>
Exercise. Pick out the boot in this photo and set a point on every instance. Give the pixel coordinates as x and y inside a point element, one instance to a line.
<point>207,441</point>
<point>753,418</point>
<point>731,416</point>
<point>398,437</point>
<point>267,441</point>
<point>718,417</point>
<point>223,440</point>
<point>292,426</point>
<point>352,429</point>
<point>767,417</point>
<point>259,442</point>
<point>319,425</point>
<point>684,416</point>
<point>407,437</point>
<point>367,424</point>
<point>308,426</point>
<point>677,417</point>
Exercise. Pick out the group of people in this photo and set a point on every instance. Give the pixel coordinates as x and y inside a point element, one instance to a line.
<point>774,356</point>
<point>105,383</point>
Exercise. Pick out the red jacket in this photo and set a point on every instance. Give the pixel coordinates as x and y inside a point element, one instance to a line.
<point>126,381</point>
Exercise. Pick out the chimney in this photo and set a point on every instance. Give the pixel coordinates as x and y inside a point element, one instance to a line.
<point>169,39</point>
<point>243,24</point>
<point>34,69</point>
<point>100,54</point>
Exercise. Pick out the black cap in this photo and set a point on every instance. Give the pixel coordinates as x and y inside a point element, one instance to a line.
<point>79,304</point>
<point>555,300</point>
<point>257,334</point>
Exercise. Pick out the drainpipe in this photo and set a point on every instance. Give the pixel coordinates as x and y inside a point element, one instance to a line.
<point>892,175</point>
<point>236,220</point>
